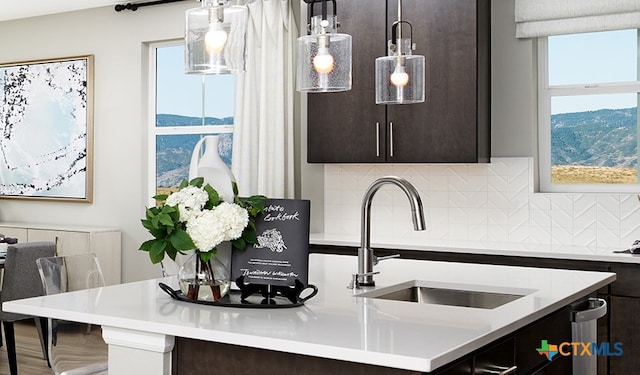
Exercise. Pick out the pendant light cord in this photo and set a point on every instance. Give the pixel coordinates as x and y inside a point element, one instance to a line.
<point>323,8</point>
<point>134,6</point>
<point>400,19</point>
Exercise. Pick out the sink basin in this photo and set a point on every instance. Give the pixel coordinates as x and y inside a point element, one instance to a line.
<point>482,297</point>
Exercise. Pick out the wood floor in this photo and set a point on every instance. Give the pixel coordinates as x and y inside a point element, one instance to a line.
<point>29,352</point>
<point>77,346</point>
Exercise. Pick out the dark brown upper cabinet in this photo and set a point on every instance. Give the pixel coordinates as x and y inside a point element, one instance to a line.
<point>451,126</point>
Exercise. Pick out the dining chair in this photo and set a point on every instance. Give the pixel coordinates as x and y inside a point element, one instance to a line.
<point>74,348</point>
<point>21,280</point>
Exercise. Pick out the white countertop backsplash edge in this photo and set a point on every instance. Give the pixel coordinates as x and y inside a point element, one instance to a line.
<point>483,248</point>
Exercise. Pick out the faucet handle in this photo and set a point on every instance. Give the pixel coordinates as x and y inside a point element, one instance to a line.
<point>353,284</point>
<point>377,260</point>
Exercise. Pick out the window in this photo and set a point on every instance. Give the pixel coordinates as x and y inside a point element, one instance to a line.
<point>185,108</point>
<point>588,101</point>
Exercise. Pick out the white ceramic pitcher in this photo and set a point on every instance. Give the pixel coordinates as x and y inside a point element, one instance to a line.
<point>211,167</point>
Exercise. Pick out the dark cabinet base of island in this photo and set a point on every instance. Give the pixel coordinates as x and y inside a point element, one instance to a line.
<point>202,357</point>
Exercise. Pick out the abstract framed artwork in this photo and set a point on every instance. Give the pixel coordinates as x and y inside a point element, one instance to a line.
<point>46,129</point>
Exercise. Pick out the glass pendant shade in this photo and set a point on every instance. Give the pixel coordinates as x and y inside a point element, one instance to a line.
<point>215,38</point>
<point>324,58</point>
<point>400,76</point>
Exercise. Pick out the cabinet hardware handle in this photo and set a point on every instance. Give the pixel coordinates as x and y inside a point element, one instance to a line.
<point>56,245</point>
<point>391,138</point>
<point>500,370</point>
<point>377,139</point>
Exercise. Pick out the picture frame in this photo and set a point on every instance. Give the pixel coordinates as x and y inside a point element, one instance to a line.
<point>46,129</point>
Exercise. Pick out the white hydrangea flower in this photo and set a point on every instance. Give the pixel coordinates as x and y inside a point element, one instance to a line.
<point>190,200</point>
<point>234,218</point>
<point>225,222</point>
<point>206,230</point>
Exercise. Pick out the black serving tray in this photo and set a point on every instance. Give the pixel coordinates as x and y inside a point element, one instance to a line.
<point>253,296</point>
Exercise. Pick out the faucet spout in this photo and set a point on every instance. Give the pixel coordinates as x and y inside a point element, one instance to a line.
<point>365,252</point>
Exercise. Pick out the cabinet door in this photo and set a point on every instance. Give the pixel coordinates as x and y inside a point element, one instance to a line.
<point>496,359</point>
<point>452,124</point>
<point>461,368</point>
<point>68,243</point>
<point>555,328</point>
<point>625,329</point>
<point>349,126</point>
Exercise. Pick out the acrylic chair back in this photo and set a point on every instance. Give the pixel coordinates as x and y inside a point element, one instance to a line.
<point>74,348</point>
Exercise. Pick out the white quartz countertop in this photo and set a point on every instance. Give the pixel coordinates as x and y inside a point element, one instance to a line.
<point>335,323</point>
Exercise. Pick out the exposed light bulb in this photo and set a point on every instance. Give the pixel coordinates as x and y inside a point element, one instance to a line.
<point>323,62</point>
<point>399,77</point>
<point>215,39</point>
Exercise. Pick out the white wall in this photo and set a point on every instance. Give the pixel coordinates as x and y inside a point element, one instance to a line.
<point>513,85</point>
<point>117,41</point>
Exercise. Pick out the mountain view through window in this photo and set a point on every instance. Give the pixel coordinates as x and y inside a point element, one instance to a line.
<point>592,104</point>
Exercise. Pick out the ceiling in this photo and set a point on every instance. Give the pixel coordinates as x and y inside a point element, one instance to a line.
<point>14,9</point>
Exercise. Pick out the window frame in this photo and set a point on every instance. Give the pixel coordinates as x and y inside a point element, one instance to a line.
<point>154,131</point>
<point>545,94</point>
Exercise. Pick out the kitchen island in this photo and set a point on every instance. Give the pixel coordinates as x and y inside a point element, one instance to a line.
<point>140,322</point>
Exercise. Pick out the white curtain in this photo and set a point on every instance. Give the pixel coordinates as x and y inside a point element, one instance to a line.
<point>536,18</point>
<point>263,155</point>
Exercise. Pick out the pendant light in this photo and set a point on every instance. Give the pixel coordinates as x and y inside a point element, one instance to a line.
<point>400,75</point>
<point>215,38</point>
<point>324,57</point>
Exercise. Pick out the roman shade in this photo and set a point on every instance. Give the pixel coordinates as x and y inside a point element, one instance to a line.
<point>536,18</point>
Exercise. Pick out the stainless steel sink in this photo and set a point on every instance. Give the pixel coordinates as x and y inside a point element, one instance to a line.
<point>421,292</point>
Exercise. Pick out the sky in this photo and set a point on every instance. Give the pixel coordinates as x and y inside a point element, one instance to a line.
<point>593,58</point>
<point>181,94</point>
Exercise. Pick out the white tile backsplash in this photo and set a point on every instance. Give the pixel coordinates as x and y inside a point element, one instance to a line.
<point>482,203</point>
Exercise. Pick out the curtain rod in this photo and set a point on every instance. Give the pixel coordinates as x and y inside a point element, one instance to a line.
<point>135,6</point>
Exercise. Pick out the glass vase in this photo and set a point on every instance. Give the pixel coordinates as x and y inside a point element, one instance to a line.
<point>204,281</point>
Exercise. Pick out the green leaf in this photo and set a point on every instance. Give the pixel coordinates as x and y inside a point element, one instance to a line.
<point>251,225</point>
<point>158,233</point>
<point>256,200</point>
<point>198,181</point>
<point>206,256</point>
<point>147,224</point>
<point>239,244</point>
<point>234,187</point>
<point>181,240</point>
<point>155,222</point>
<point>183,184</point>
<point>250,236</point>
<point>214,197</point>
<point>254,204</point>
<point>151,212</point>
<point>166,209</point>
<point>156,252</point>
<point>161,197</point>
<point>165,219</point>
<point>146,245</point>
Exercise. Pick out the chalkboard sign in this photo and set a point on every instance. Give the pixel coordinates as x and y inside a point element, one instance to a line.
<point>282,253</point>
